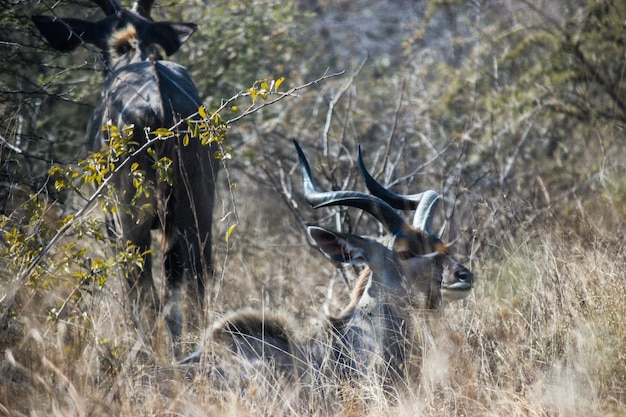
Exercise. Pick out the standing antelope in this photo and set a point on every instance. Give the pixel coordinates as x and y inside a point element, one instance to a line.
<point>143,91</point>
<point>415,270</point>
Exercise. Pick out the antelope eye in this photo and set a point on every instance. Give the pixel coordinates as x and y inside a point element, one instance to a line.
<point>440,259</point>
<point>404,255</point>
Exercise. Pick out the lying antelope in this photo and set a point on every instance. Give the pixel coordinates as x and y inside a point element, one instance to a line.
<point>143,91</point>
<point>415,270</point>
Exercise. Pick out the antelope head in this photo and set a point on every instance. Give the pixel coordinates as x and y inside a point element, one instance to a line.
<point>124,36</point>
<point>416,268</point>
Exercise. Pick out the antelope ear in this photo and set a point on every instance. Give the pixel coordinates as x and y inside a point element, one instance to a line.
<point>65,34</point>
<point>171,35</point>
<point>340,247</point>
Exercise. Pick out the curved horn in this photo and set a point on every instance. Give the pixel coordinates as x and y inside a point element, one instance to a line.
<point>382,211</point>
<point>143,8</point>
<point>109,7</point>
<point>398,201</point>
<point>424,203</point>
<point>425,210</point>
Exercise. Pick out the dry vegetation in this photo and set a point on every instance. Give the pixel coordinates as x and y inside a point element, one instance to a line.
<point>543,335</point>
<point>528,152</point>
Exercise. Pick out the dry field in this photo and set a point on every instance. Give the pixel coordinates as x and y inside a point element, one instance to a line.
<point>542,335</point>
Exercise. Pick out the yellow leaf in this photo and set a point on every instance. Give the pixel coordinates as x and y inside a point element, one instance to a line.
<point>186,140</point>
<point>162,132</point>
<point>279,82</point>
<point>230,231</point>
<point>234,108</point>
<point>264,86</point>
<point>202,112</point>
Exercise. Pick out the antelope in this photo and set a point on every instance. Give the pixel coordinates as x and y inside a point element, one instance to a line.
<point>414,269</point>
<point>145,92</point>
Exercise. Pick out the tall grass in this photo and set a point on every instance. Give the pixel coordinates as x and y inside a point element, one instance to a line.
<point>543,335</point>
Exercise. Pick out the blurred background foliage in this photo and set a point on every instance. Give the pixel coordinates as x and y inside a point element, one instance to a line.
<point>518,104</point>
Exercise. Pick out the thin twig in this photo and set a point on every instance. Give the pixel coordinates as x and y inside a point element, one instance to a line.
<point>281,96</point>
<point>392,131</point>
<point>333,101</point>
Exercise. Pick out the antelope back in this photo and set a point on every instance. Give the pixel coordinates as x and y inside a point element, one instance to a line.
<point>261,338</point>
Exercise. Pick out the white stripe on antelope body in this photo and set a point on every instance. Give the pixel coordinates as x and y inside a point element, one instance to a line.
<point>145,91</point>
<point>414,270</point>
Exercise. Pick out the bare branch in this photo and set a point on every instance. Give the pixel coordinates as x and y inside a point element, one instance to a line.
<point>333,101</point>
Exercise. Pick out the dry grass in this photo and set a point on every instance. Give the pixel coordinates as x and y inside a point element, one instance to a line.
<point>544,335</point>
